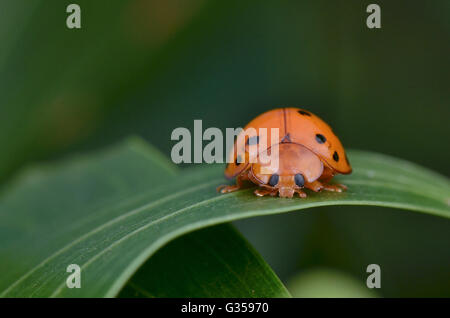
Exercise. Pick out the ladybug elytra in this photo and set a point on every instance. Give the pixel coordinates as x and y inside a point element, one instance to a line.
<point>309,153</point>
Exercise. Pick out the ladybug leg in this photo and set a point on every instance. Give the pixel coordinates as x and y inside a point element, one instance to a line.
<point>227,188</point>
<point>335,187</point>
<point>300,193</point>
<point>318,186</point>
<point>231,188</point>
<point>265,191</point>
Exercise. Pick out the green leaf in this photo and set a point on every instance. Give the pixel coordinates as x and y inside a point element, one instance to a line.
<point>74,213</point>
<point>111,212</point>
<point>217,258</point>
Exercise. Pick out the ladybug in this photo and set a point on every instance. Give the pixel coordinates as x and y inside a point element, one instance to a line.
<point>309,153</point>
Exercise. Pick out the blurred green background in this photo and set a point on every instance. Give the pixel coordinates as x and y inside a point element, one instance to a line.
<point>146,67</point>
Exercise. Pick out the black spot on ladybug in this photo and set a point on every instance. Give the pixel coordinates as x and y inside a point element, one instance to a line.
<point>274,180</point>
<point>253,140</point>
<point>299,180</point>
<point>320,138</point>
<point>336,156</point>
<point>238,160</point>
<point>304,113</point>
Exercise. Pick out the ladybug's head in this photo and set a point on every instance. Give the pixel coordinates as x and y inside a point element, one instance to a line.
<point>290,170</point>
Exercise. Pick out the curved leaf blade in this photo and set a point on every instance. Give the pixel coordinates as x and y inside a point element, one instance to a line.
<point>128,229</point>
<point>217,258</point>
<point>117,176</point>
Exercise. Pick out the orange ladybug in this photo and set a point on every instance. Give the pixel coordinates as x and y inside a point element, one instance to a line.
<point>309,153</point>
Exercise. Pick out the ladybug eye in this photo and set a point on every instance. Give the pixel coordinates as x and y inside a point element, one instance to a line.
<point>274,180</point>
<point>299,180</point>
